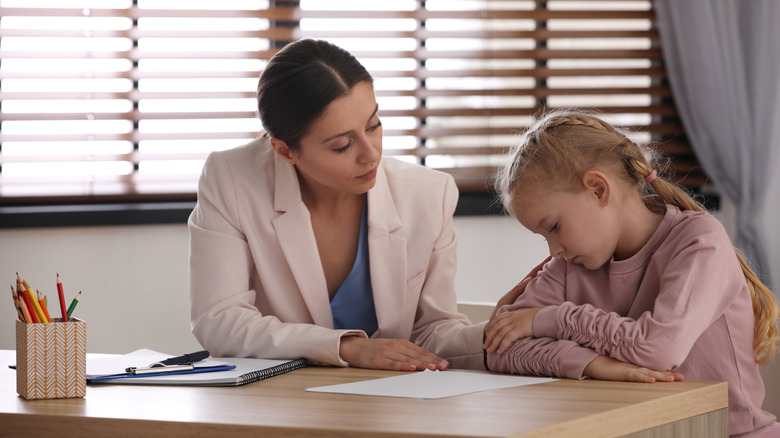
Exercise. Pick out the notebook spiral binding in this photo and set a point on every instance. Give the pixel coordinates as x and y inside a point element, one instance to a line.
<point>273,371</point>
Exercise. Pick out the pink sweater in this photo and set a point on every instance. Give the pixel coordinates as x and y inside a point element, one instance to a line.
<point>681,303</point>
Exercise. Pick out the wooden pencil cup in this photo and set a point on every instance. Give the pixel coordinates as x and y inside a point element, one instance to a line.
<point>51,359</point>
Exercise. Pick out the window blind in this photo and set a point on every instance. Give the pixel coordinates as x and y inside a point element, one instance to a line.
<point>123,100</point>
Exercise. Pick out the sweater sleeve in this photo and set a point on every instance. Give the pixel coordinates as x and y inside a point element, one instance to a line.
<point>696,279</point>
<point>543,356</point>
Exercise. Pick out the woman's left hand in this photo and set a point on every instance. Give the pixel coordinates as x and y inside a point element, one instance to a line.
<point>511,296</point>
<point>508,327</point>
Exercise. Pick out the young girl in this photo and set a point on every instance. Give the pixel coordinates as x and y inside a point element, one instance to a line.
<point>652,281</point>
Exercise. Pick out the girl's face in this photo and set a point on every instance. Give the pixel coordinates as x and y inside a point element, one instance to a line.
<point>342,150</point>
<point>577,225</point>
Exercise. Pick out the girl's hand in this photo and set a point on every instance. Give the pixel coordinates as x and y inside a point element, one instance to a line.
<point>606,368</point>
<point>508,327</point>
<point>388,354</point>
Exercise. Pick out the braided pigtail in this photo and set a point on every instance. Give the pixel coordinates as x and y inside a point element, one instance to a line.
<point>766,311</point>
<point>644,172</point>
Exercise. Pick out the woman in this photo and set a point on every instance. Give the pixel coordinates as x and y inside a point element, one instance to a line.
<point>307,243</point>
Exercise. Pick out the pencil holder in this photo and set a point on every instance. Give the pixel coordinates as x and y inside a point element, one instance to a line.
<point>51,359</point>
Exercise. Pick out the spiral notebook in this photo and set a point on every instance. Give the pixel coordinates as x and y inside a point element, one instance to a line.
<point>222,371</point>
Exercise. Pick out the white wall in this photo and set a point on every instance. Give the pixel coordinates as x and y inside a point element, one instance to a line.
<point>133,281</point>
<point>134,278</point>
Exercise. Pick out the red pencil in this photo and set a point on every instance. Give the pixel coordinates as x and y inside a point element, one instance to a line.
<point>62,299</point>
<point>28,304</point>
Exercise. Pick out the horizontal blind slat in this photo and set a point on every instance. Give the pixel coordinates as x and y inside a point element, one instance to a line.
<point>536,73</point>
<point>509,62</point>
<point>294,14</point>
<point>666,110</point>
<point>289,33</point>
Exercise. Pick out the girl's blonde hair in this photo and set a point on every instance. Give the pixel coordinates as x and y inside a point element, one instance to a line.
<point>561,146</point>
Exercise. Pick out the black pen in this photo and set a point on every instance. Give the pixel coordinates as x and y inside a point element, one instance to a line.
<point>183,359</point>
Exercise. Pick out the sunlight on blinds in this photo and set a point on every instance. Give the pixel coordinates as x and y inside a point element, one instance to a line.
<point>123,99</point>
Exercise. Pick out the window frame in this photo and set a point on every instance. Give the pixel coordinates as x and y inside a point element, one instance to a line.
<point>131,206</point>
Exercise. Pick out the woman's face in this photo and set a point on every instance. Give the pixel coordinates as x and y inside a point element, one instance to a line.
<point>341,152</point>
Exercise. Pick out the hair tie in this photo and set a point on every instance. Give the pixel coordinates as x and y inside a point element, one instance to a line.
<point>649,178</point>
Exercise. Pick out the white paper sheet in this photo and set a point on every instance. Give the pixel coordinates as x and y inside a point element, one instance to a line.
<point>432,384</point>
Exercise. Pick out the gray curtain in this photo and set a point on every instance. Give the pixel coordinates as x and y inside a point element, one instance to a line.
<point>723,62</point>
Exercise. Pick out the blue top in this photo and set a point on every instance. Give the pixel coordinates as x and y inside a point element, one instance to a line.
<point>353,305</point>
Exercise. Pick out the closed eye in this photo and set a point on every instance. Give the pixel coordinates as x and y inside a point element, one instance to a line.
<point>343,148</point>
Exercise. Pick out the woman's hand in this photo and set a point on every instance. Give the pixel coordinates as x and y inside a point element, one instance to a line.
<point>606,368</point>
<point>388,354</point>
<point>508,327</point>
<point>501,331</point>
<point>511,296</point>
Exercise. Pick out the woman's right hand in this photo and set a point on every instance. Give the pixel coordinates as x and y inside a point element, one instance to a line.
<point>388,354</point>
<point>607,368</point>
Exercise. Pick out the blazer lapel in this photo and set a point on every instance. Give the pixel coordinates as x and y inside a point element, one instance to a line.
<point>296,238</point>
<point>387,255</point>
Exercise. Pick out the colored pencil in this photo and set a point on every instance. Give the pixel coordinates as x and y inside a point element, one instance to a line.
<point>19,289</point>
<point>42,302</point>
<point>28,305</point>
<point>25,312</point>
<point>36,306</point>
<point>16,304</point>
<point>39,315</point>
<point>73,304</point>
<point>61,295</point>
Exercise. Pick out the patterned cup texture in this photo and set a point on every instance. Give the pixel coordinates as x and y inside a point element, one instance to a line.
<point>51,359</point>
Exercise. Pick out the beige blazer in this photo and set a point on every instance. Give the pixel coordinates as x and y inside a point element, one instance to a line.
<point>257,288</point>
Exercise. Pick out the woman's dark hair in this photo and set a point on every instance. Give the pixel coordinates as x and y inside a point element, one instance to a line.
<point>299,82</point>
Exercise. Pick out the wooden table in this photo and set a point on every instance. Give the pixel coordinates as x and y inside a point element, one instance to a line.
<point>280,407</point>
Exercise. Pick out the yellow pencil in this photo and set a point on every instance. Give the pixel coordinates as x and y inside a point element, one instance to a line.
<point>42,302</point>
<point>36,306</point>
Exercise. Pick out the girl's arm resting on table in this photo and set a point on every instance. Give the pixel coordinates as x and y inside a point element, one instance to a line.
<point>691,294</point>
<point>542,357</point>
<point>552,358</point>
